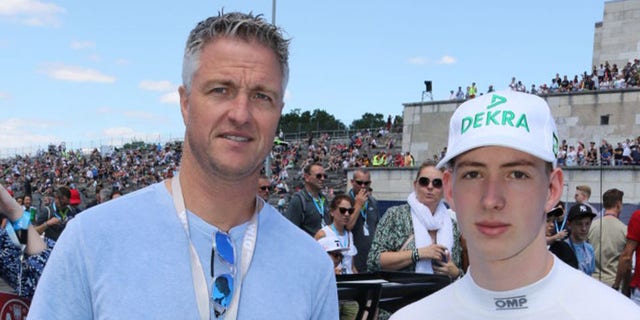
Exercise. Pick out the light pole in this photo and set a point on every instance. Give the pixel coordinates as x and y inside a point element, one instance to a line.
<point>273,12</point>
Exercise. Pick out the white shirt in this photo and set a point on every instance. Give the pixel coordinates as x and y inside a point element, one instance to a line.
<point>565,293</point>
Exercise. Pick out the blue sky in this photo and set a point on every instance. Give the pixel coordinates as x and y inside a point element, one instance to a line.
<point>99,72</point>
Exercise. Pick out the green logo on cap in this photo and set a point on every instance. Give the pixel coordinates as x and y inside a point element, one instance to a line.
<point>495,117</point>
<point>555,145</point>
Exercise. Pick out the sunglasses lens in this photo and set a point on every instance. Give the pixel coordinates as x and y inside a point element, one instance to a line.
<point>345,210</point>
<point>424,181</point>
<point>222,293</point>
<point>321,176</point>
<point>264,188</point>
<point>224,247</point>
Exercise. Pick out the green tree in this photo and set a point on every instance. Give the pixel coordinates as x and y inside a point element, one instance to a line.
<point>369,120</point>
<point>307,121</point>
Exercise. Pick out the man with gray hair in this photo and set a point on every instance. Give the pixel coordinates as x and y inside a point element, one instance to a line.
<point>201,245</point>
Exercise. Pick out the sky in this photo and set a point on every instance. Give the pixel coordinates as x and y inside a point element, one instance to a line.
<point>90,73</point>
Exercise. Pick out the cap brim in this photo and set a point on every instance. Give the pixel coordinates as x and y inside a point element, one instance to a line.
<point>557,211</point>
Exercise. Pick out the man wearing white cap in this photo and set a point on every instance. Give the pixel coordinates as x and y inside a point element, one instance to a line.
<point>501,179</point>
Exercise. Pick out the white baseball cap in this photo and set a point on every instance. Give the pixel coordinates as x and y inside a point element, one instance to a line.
<point>331,243</point>
<point>507,119</point>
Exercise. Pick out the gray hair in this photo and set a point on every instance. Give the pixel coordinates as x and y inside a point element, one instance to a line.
<point>242,26</point>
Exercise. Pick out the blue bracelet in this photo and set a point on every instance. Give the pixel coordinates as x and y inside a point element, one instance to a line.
<point>23,222</point>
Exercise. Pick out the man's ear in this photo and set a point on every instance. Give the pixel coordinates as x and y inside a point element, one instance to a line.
<point>556,186</point>
<point>184,103</point>
<point>447,183</point>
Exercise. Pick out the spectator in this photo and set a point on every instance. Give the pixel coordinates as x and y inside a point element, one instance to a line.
<point>562,156</point>
<point>499,179</point>
<point>555,237</point>
<point>626,258</point>
<point>582,195</point>
<point>264,188</point>
<point>409,160</point>
<point>617,154</point>
<point>364,222</point>
<point>341,209</point>
<point>309,208</point>
<point>592,154</point>
<point>607,236</point>
<point>554,87</point>
<point>572,157</point>
<point>579,222</point>
<point>513,86</point>
<point>460,94</point>
<point>75,200</point>
<point>419,236</point>
<point>635,155</point>
<point>20,268</point>
<point>282,203</point>
<point>53,221</point>
<point>335,250</point>
<point>626,153</point>
<point>234,76</point>
<point>473,90</point>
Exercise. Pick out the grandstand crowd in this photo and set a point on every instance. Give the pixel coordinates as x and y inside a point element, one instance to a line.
<point>99,174</point>
<point>603,77</point>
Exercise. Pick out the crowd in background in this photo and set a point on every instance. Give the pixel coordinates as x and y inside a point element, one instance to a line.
<point>606,76</point>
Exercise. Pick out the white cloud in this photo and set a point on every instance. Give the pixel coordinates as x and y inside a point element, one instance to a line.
<point>447,60</point>
<point>77,74</point>
<point>122,62</point>
<point>161,86</point>
<point>4,95</point>
<point>418,60</point>
<point>170,98</point>
<point>95,58</point>
<point>79,45</point>
<point>139,115</point>
<point>18,133</point>
<point>32,12</point>
<point>287,96</point>
<point>104,110</point>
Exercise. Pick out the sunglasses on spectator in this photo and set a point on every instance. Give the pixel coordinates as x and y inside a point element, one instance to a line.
<point>345,210</point>
<point>321,176</point>
<point>424,181</point>
<point>222,288</point>
<point>362,183</point>
<point>265,188</point>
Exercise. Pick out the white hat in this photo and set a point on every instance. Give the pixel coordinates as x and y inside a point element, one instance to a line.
<point>507,119</point>
<point>331,243</point>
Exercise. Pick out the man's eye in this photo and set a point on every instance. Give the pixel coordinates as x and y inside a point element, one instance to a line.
<point>262,96</point>
<point>519,175</point>
<point>471,175</point>
<point>218,90</point>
